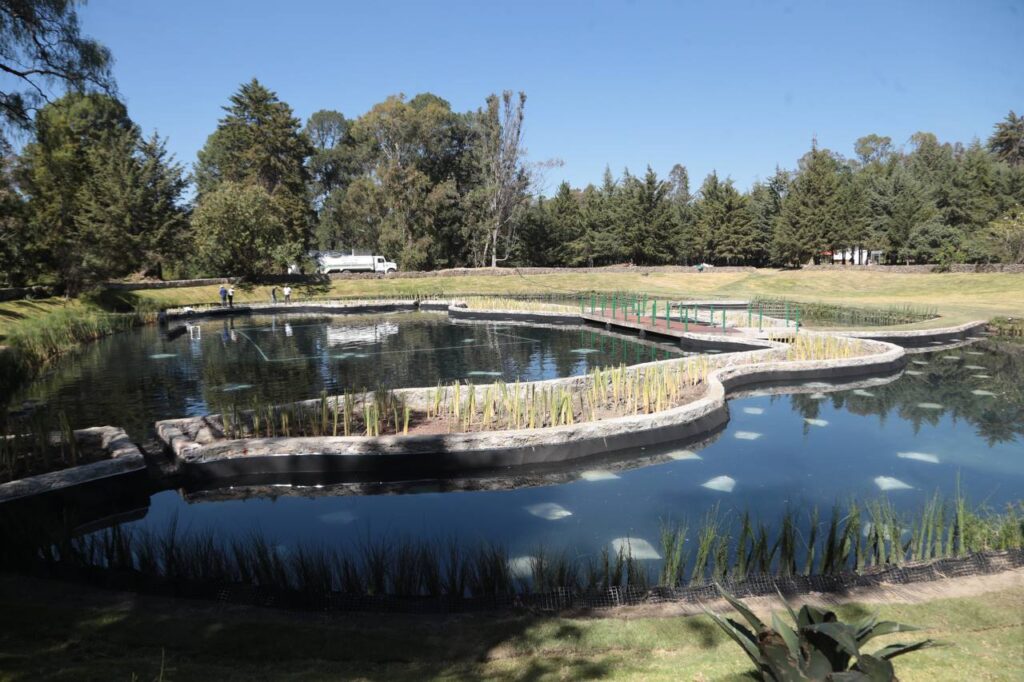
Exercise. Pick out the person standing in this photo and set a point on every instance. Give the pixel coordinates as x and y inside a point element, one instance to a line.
<point>287,294</point>
<point>223,296</point>
<point>273,295</point>
<point>231,297</point>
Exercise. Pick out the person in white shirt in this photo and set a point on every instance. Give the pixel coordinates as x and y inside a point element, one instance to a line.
<point>287,294</point>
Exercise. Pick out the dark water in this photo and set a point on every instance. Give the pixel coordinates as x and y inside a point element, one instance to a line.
<point>905,440</point>
<point>135,378</point>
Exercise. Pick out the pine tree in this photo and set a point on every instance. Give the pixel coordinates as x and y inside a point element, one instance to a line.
<point>645,226</point>
<point>811,212</point>
<point>724,214</point>
<point>1007,141</point>
<point>259,143</point>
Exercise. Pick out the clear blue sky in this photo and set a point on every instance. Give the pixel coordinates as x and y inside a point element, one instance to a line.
<point>735,86</point>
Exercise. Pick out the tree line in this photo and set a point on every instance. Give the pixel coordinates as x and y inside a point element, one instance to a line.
<point>90,198</point>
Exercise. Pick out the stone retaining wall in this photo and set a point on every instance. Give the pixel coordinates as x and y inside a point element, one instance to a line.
<point>124,457</point>
<point>919,269</point>
<point>203,455</point>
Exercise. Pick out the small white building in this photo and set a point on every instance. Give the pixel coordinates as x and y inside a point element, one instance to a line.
<point>857,256</point>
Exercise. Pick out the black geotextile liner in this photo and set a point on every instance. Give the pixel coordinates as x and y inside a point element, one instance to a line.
<point>985,563</point>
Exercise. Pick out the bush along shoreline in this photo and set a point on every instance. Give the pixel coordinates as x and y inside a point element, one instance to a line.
<point>856,542</point>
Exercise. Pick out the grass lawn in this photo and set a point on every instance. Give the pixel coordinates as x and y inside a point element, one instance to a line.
<point>958,297</point>
<point>13,313</point>
<point>64,631</point>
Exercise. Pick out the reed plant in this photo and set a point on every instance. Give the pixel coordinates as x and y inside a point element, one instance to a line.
<point>830,314</point>
<point>822,347</point>
<point>718,550</point>
<point>39,441</point>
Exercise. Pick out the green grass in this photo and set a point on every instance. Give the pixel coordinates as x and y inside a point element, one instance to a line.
<point>958,297</point>
<point>60,631</point>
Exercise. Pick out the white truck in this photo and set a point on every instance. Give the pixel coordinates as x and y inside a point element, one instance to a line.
<point>328,262</point>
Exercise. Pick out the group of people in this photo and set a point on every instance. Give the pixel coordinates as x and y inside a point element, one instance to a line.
<point>227,295</point>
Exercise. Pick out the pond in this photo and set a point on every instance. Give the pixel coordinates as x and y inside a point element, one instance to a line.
<point>135,378</point>
<point>953,416</point>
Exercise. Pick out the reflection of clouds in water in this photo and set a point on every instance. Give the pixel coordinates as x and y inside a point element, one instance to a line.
<point>747,435</point>
<point>682,455</point>
<point>919,457</point>
<point>548,511</point>
<point>890,483</point>
<point>815,422</point>
<point>930,406</point>
<point>521,566</point>
<point>638,548</point>
<point>753,410</point>
<point>723,484</point>
<point>817,396</point>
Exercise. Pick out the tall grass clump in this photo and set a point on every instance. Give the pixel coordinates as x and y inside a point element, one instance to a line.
<point>830,314</point>
<point>38,441</point>
<point>822,347</point>
<point>37,340</point>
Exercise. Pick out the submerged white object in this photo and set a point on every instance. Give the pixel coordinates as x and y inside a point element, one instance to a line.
<point>921,362</point>
<point>481,373</point>
<point>723,484</point>
<point>951,357</point>
<point>979,391</point>
<point>817,396</point>
<point>930,406</point>
<point>638,548</point>
<point>598,475</point>
<point>680,455</point>
<point>890,483</point>
<point>549,511</point>
<point>584,351</point>
<point>863,393</point>
<point>919,457</point>
<point>913,373</point>
<point>747,435</point>
<point>815,422</point>
<point>231,388</point>
<point>974,352</point>
<point>339,517</point>
<point>753,410</point>
<point>163,356</point>
<point>975,367</point>
<point>982,376</point>
<point>521,566</point>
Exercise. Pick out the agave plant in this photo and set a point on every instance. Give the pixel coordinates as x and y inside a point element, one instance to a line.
<point>818,647</point>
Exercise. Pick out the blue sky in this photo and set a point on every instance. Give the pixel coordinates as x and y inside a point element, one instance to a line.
<point>735,86</point>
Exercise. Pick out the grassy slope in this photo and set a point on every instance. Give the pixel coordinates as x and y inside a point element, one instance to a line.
<point>57,631</point>
<point>959,297</point>
<point>13,313</point>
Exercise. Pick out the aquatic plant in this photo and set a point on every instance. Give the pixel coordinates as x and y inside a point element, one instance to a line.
<point>822,347</point>
<point>830,314</point>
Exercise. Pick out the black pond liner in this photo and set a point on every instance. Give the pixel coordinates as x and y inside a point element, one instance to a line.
<point>559,600</point>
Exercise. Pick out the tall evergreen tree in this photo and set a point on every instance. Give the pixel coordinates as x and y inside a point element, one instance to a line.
<point>724,214</point>
<point>645,219</point>
<point>811,212</point>
<point>259,143</point>
<point>1007,140</point>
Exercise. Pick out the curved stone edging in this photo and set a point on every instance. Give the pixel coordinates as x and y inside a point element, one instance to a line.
<point>125,457</point>
<point>497,449</point>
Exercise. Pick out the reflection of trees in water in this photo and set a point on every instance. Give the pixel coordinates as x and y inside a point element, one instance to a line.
<point>997,419</point>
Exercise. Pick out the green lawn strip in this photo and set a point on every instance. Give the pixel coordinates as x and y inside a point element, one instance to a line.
<point>64,631</point>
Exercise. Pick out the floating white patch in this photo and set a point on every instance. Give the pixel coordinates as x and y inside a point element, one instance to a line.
<point>974,352</point>
<point>747,435</point>
<point>951,357</point>
<point>913,372</point>
<point>521,566</point>
<point>863,393</point>
<point>979,391</point>
<point>231,388</point>
<point>598,475</point>
<point>919,457</point>
<point>723,484</point>
<point>163,356</point>
<point>468,340</point>
<point>339,517</point>
<point>343,356</point>
<point>937,343</point>
<point>753,410</point>
<point>548,511</point>
<point>815,422</point>
<point>975,367</point>
<point>713,350</point>
<point>680,455</point>
<point>929,406</point>
<point>982,376</point>
<point>638,548</point>
<point>817,396</point>
<point>921,362</point>
<point>484,374</point>
<point>584,351</point>
<point>890,483</point>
